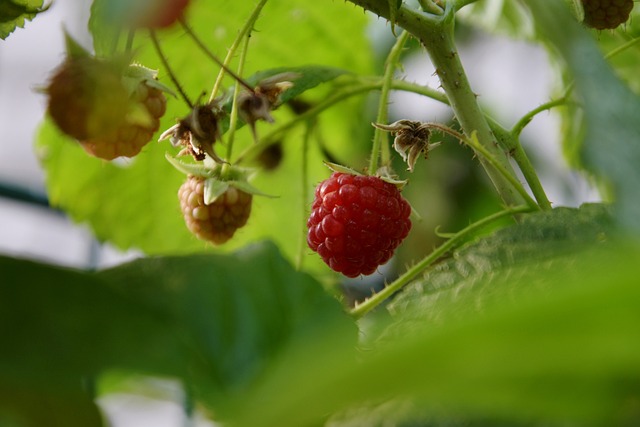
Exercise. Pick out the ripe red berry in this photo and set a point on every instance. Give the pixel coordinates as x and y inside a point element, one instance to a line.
<point>218,221</point>
<point>128,139</point>
<point>357,222</point>
<point>606,14</point>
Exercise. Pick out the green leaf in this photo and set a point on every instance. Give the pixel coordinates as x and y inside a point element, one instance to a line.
<point>611,109</point>
<point>524,339</point>
<point>15,13</point>
<point>293,34</point>
<point>543,241</point>
<point>219,322</point>
<point>245,312</point>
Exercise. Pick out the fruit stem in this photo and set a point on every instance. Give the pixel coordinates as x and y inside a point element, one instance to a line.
<point>380,148</point>
<point>211,56</point>
<point>246,28</point>
<point>233,117</point>
<point>167,67</point>
<point>379,297</point>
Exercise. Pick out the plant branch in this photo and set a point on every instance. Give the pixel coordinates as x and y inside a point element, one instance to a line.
<point>166,65</point>
<point>380,137</point>
<point>248,26</point>
<point>375,300</point>
<point>436,35</point>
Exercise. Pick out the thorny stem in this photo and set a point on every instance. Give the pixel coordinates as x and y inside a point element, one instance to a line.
<point>488,156</point>
<point>211,56</point>
<point>376,299</point>
<point>380,148</point>
<point>167,67</point>
<point>436,34</point>
<point>248,25</point>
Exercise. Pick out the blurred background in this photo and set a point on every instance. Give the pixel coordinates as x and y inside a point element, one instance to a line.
<point>511,78</point>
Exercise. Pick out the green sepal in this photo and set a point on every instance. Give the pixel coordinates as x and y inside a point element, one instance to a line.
<point>192,168</point>
<point>343,169</point>
<point>137,73</point>
<point>248,188</point>
<point>214,188</point>
<point>73,48</point>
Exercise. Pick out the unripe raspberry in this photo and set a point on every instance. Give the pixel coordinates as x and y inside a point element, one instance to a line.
<point>218,221</point>
<point>357,222</point>
<point>606,14</point>
<point>87,97</point>
<point>128,139</point>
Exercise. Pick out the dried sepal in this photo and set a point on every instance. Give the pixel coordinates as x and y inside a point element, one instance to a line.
<point>411,139</point>
<point>197,132</point>
<point>257,104</point>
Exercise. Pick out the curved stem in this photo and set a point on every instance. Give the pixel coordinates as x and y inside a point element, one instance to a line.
<point>211,56</point>
<point>380,148</point>
<point>233,118</point>
<point>166,65</point>
<point>248,25</point>
<point>375,300</point>
<point>526,119</point>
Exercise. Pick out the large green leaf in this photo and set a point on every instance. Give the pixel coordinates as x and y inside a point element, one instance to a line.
<point>219,322</point>
<point>15,13</point>
<point>537,341</point>
<point>611,148</point>
<point>134,203</point>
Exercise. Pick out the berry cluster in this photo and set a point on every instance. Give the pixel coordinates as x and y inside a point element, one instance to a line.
<point>606,14</point>
<point>218,221</point>
<point>357,222</point>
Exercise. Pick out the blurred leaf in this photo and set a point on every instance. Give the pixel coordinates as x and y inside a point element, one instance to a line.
<point>244,311</point>
<point>541,342</point>
<point>504,17</point>
<point>133,203</point>
<point>611,150</point>
<point>541,242</point>
<point>55,408</point>
<point>15,13</point>
<point>208,319</point>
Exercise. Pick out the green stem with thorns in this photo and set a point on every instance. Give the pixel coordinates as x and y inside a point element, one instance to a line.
<point>375,300</point>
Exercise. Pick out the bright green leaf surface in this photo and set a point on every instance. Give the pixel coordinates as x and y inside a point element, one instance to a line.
<point>15,13</point>
<point>538,341</point>
<point>504,17</point>
<point>134,203</point>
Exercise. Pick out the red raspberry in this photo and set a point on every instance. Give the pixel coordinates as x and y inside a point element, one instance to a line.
<point>218,221</point>
<point>357,222</point>
<point>606,14</point>
<point>129,138</point>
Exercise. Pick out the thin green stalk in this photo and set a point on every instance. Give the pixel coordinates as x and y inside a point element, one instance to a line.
<point>530,175</point>
<point>375,300</point>
<point>246,28</point>
<point>233,116</point>
<point>380,148</point>
<point>526,119</point>
<point>304,182</point>
<point>165,63</point>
